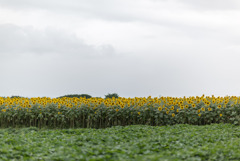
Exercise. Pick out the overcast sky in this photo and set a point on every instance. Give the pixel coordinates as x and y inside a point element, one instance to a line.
<point>130,47</point>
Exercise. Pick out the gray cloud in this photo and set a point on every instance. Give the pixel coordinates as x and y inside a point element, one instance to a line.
<point>205,5</point>
<point>118,10</point>
<point>22,40</point>
<point>181,14</point>
<point>106,9</point>
<point>168,47</point>
<point>176,14</point>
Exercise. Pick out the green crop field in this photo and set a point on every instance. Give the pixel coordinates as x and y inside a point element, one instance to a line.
<point>136,142</point>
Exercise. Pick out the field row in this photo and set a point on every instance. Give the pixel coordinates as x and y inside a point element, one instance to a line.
<point>102,113</point>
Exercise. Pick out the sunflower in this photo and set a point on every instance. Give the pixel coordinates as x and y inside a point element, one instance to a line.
<point>207,103</point>
<point>182,107</point>
<point>220,115</point>
<point>159,108</point>
<point>213,101</point>
<point>173,115</point>
<point>219,106</point>
<point>122,105</point>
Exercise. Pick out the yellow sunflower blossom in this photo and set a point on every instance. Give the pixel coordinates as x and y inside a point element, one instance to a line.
<point>182,107</point>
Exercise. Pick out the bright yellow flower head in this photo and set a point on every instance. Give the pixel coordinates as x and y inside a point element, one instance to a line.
<point>160,108</point>
<point>213,100</point>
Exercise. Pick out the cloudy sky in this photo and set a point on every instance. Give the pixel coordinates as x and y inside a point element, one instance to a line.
<point>130,47</point>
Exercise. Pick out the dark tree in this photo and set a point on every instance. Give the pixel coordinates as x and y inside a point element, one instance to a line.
<point>115,95</point>
<point>16,97</point>
<point>76,95</point>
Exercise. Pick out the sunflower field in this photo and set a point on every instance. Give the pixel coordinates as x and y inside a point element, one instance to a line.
<point>101,113</point>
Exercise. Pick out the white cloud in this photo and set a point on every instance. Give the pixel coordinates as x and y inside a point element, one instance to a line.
<point>27,40</point>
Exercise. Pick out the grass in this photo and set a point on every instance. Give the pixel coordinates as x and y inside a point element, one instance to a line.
<point>136,142</point>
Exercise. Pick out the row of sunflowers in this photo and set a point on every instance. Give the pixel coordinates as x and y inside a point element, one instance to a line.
<point>101,113</point>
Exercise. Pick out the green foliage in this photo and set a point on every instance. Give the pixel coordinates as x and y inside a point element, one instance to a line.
<point>111,95</point>
<point>76,95</point>
<point>217,142</point>
<point>101,116</point>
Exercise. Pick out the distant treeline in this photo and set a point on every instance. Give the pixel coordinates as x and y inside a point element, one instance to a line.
<point>76,95</point>
<point>109,95</point>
